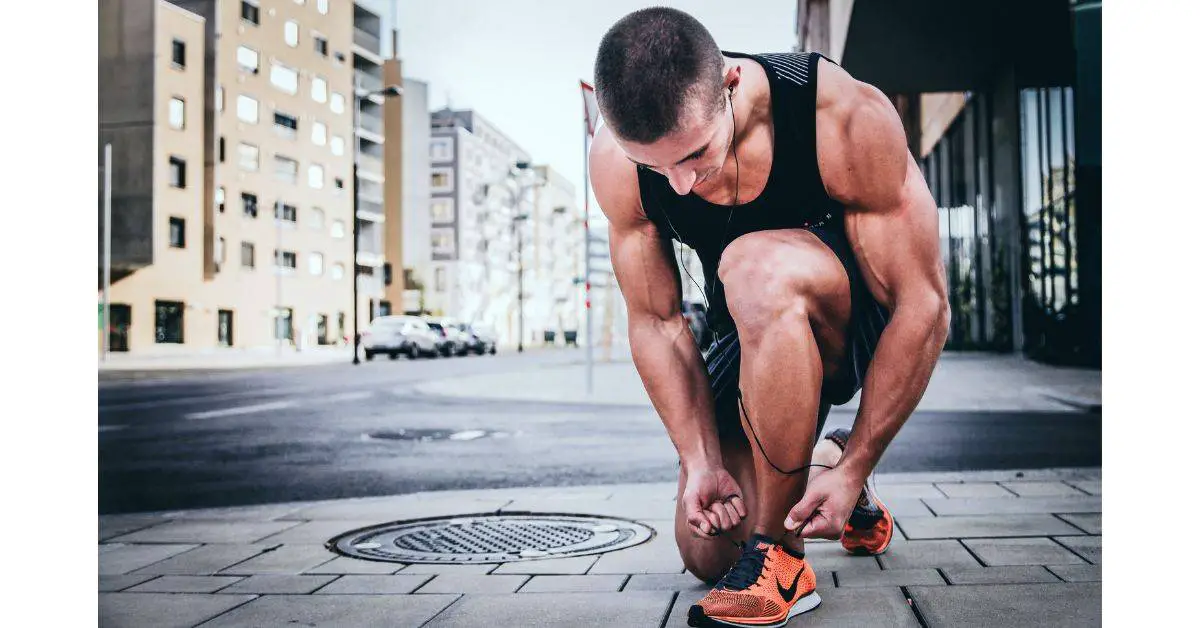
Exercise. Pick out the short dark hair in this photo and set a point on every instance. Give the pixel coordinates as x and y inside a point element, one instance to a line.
<point>649,65</point>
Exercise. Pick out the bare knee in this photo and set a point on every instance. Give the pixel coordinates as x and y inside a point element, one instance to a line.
<point>706,559</point>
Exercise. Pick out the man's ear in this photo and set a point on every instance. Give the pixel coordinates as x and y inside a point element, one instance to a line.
<point>733,76</point>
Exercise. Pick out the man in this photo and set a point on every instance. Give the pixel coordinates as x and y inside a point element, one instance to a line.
<point>819,243</point>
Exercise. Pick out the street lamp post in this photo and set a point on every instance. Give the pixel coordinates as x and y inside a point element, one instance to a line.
<point>390,90</point>
<point>517,198</point>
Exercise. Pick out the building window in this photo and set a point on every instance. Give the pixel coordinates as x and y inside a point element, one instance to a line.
<point>285,212</point>
<point>247,109</point>
<point>286,125</point>
<point>168,322</point>
<point>316,218</point>
<point>337,146</point>
<point>316,264</point>
<point>339,183</point>
<point>178,53</point>
<point>337,103</point>
<point>320,89</point>
<point>323,6</point>
<point>247,255</point>
<point>337,271</point>
<point>219,198</point>
<point>285,259</point>
<point>247,59</point>
<point>221,149</point>
<point>249,205</point>
<point>178,172</point>
<point>337,229</point>
<point>250,11</point>
<point>442,241</point>
<point>247,156</point>
<point>441,149</point>
<point>176,113</point>
<point>439,279</point>
<point>321,45</point>
<point>316,176</point>
<point>219,251</point>
<point>318,133</point>
<point>283,323</point>
<point>284,78</point>
<point>220,99</point>
<point>441,210</point>
<point>291,33</point>
<point>286,169</point>
<point>176,236</point>
<point>442,180</point>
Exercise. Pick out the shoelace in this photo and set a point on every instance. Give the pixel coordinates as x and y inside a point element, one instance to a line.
<point>746,571</point>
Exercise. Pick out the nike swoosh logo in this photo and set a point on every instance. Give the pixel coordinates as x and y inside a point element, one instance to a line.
<point>790,592</point>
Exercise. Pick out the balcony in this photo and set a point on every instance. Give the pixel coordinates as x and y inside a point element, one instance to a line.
<point>364,82</point>
<point>370,210</point>
<point>370,123</point>
<point>367,46</point>
<point>370,191</point>
<point>370,163</point>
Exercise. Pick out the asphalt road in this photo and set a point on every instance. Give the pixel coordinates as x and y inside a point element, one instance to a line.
<point>189,440</point>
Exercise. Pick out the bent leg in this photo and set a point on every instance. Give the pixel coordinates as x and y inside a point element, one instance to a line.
<point>708,558</point>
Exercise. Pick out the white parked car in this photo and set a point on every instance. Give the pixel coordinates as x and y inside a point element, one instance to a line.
<point>454,341</point>
<point>399,335</point>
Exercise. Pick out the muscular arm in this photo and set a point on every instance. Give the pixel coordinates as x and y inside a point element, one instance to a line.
<point>664,351</point>
<point>892,224</point>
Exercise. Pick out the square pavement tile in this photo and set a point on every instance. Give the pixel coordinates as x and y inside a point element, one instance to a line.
<point>429,568</point>
<point>1035,551</point>
<point>185,584</point>
<point>833,557</point>
<point>1077,573</point>
<point>279,585</point>
<point>334,611</point>
<point>973,489</point>
<point>119,558</point>
<point>1091,487</point>
<point>983,526</point>
<point>265,512</point>
<point>1009,605</point>
<point>381,585</point>
<point>473,583</point>
<point>346,565</point>
<point>1013,574</point>
<point>574,566</point>
<point>112,584</point>
<point>1042,489</point>
<point>582,610</point>
<point>1088,522</point>
<point>111,526</point>
<point>679,608</point>
<point>916,490</point>
<point>573,584</point>
<point>1087,546</point>
<point>317,532</point>
<point>386,509</point>
<point>667,582</point>
<point>888,578</point>
<point>286,559</point>
<point>206,532</point>
<point>206,560</point>
<point>909,507</point>
<point>164,610</point>
<point>659,555</point>
<point>1013,506</point>
<point>927,554</point>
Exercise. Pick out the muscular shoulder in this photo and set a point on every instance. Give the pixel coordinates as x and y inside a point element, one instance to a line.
<point>861,146</point>
<point>615,182</point>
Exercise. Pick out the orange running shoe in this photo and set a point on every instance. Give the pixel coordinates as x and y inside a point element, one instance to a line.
<point>766,587</point>
<point>869,530</point>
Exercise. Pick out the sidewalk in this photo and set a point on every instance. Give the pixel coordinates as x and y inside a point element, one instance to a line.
<point>972,549</point>
<point>226,359</point>
<point>961,381</point>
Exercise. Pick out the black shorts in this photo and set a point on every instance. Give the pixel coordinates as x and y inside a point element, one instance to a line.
<point>867,320</point>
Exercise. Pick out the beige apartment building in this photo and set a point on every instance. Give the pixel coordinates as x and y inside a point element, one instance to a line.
<point>232,127</point>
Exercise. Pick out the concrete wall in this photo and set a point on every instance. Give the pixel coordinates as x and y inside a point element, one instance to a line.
<point>393,186</point>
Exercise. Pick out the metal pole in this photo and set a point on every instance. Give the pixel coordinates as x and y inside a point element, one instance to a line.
<point>278,279</point>
<point>520,284</point>
<point>354,218</point>
<point>587,260</point>
<point>106,321</point>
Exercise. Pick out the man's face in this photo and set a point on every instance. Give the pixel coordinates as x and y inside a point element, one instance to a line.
<point>691,155</point>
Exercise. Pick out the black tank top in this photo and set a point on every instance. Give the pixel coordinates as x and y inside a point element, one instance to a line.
<point>794,196</point>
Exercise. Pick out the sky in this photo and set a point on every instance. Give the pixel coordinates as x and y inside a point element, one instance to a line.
<point>518,63</point>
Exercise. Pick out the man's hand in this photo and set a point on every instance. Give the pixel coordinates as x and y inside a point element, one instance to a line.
<point>712,501</point>
<point>826,506</point>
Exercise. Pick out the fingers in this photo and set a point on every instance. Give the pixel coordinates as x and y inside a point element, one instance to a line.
<point>698,524</point>
<point>738,505</point>
<point>802,512</point>
<point>821,528</point>
<point>724,521</point>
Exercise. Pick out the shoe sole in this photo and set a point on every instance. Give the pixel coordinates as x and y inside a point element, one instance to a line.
<point>862,551</point>
<point>697,618</point>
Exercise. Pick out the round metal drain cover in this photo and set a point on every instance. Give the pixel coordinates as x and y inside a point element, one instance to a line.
<point>490,538</point>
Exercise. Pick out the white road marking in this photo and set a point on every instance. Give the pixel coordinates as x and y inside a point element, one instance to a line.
<point>346,396</point>
<point>260,407</point>
<point>468,435</point>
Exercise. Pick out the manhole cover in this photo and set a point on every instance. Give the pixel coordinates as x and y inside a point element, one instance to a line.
<point>490,538</point>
